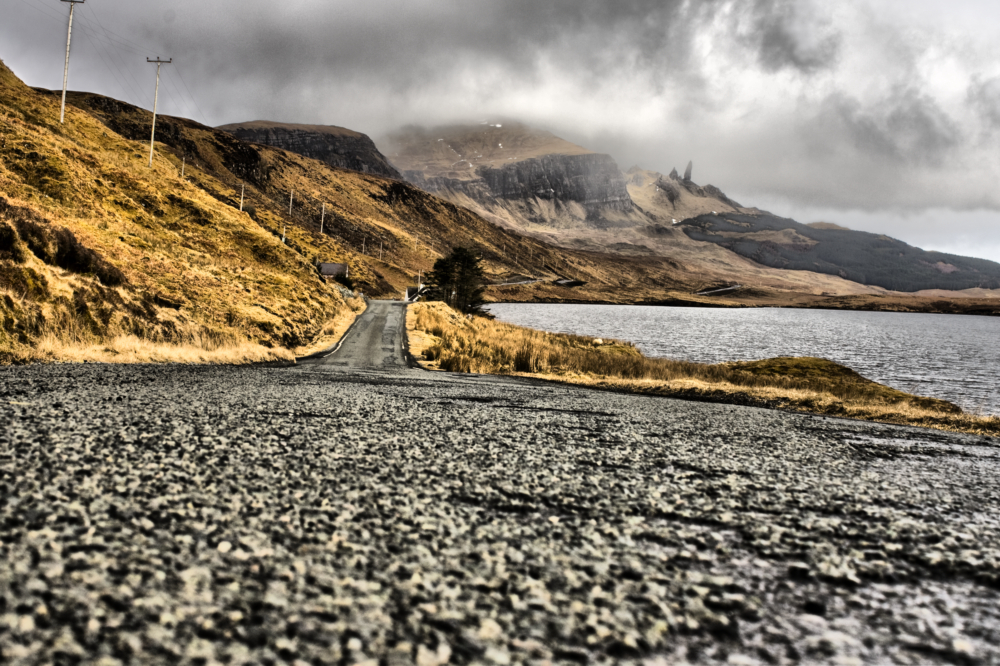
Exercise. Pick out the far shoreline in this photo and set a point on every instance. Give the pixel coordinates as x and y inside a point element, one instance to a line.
<point>740,306</point>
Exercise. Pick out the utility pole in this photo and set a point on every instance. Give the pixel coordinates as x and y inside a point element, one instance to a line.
<point>243,190</point>
<point>156,99</point>
<point>283,228</point>
<point>322,218</point>
<point>69,37</point>
<point>183,164</point>
<point>380,250</point>
<point>291,199</point>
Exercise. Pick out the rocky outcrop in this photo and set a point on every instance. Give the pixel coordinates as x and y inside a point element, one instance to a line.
<point>591,180</point>
<point>594,181</point>
<point>336,146</point>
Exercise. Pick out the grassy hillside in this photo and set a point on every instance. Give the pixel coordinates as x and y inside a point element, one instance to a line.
<point>102,257</point>
<point>388,231</point>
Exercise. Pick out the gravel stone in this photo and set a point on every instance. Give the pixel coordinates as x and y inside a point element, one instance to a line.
<point>372,513</point>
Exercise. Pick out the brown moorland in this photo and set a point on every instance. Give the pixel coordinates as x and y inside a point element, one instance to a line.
<point>104,258</point>
<point>442,339</point>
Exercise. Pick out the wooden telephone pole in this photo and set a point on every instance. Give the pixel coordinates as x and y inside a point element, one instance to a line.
<point>69,37</point>
<point>156,99</point>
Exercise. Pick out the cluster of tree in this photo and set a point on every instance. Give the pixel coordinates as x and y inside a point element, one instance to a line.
<point>458,280</point>
<point>859,256</point>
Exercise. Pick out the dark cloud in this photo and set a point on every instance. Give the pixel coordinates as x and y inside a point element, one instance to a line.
<point>905,128</point>
<point>848,104</point>
<point>984,97</point>
<point>785,40</point>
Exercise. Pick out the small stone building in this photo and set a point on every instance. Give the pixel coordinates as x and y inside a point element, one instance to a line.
<point>332,271</point>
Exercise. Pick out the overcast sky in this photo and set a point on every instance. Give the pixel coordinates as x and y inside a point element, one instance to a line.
<point>881,115</point>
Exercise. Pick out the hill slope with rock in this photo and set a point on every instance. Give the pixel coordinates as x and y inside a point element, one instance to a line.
<point>522,177</point>
<point>339,147</point>
<point>858,256</point>
<point>534,182</point>
<point>99,252</point>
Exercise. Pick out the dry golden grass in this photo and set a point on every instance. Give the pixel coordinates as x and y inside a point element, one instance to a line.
<point>441,338</point>
<point>130,349</point>
<point>334,329</point>
<point>198,280</point>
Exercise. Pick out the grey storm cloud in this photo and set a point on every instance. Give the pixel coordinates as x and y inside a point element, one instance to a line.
<point>871,105</point>
<point>907,127</point>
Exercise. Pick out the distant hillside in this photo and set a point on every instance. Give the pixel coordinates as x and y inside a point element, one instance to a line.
<point>859,256</point>
<point>671,199</point>
<point>516,175</point>
<point>97,248</point>
<point>339,147</point>
<point>826,225</point>
<point>456,151</point>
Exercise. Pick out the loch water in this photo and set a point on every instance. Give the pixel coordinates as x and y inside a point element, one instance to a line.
<point>953,357</point>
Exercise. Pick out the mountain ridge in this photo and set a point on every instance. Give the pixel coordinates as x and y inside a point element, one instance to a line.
<point>647,213</point>
<point>339,147</point>
<point>103,257</point>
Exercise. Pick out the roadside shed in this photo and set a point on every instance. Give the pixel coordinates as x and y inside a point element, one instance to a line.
<point>331,271</point>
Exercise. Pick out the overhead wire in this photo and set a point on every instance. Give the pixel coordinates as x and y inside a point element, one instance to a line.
<point>117,53</point>
<point>180,96</point>
<point>108,44</point>
<point>129,44</point>
<point>92,37</point>
<point>201,114</point>
<point>98,47</point>
<point>44,9</point>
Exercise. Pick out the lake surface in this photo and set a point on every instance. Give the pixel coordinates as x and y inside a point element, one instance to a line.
<point>953,357</point>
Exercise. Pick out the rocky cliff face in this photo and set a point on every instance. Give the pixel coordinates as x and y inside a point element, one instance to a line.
<point>516,175</point>
<point>589,188</point>
<point>336,146</point>
<point>591,180</point>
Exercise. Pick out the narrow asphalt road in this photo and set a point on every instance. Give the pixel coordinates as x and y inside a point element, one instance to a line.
<point>377,341</point>
<point>354,510</point>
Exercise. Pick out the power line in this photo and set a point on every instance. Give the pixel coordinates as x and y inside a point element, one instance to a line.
<point>106,43</point>
<point>47,11</point>
<point>125,42</point>
<point>204,118</point>
<point>119,56</point>
<point>102,50</point>
<point>93,37</point>
<point>98,48</point>
<point>180,97</point>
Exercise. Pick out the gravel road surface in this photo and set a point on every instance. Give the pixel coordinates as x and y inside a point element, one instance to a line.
<point>354,510</point>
